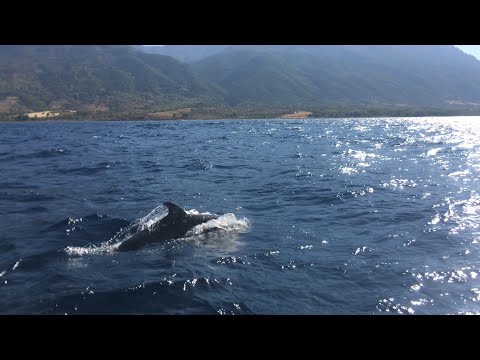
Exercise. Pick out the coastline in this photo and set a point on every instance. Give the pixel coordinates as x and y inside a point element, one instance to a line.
<point>62,120</point>
<point>248,113</point>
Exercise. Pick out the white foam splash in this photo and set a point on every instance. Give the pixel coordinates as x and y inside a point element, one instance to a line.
<point>433,152</point>
<point>435,220</point>
<point>460,173</point>
<point>225,227</point>
<point>155,215</point>
<point>360,249</point>
<point>415,287</point>
<point>348,170</point>
<point>97,250</point>
<point>399,183</point>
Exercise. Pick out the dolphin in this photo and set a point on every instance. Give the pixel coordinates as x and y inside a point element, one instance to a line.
<point>173,226</point>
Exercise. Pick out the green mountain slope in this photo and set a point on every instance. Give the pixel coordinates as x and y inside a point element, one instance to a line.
<point>84,77</point>
<point>411,75</point>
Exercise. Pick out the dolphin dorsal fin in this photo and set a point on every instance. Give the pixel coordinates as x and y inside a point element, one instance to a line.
<point>174,210</point>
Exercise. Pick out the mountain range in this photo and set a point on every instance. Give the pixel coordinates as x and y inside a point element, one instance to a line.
<point>97,78</point>
<point>379,74</point>
<point>138,80</point>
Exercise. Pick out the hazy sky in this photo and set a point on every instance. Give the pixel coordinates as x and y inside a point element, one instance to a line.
<point>469,49</point>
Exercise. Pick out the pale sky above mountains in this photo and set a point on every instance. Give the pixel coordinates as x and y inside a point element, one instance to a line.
<point>469,49</point>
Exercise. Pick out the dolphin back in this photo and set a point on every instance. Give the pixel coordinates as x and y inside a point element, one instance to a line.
<point>174,210</point>
<point>200,219</point>
<point>175,225</point>
<point>177,214</point>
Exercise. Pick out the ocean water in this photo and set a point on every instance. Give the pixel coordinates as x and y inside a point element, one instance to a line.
<point>317,216</point>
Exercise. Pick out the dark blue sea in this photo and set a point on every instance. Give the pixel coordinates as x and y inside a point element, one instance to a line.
<point>317,216</point>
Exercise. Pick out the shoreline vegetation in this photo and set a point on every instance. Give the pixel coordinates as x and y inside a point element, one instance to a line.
<point>239,112</point>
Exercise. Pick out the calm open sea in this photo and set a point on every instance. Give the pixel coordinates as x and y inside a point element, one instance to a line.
<point>319,216</point>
